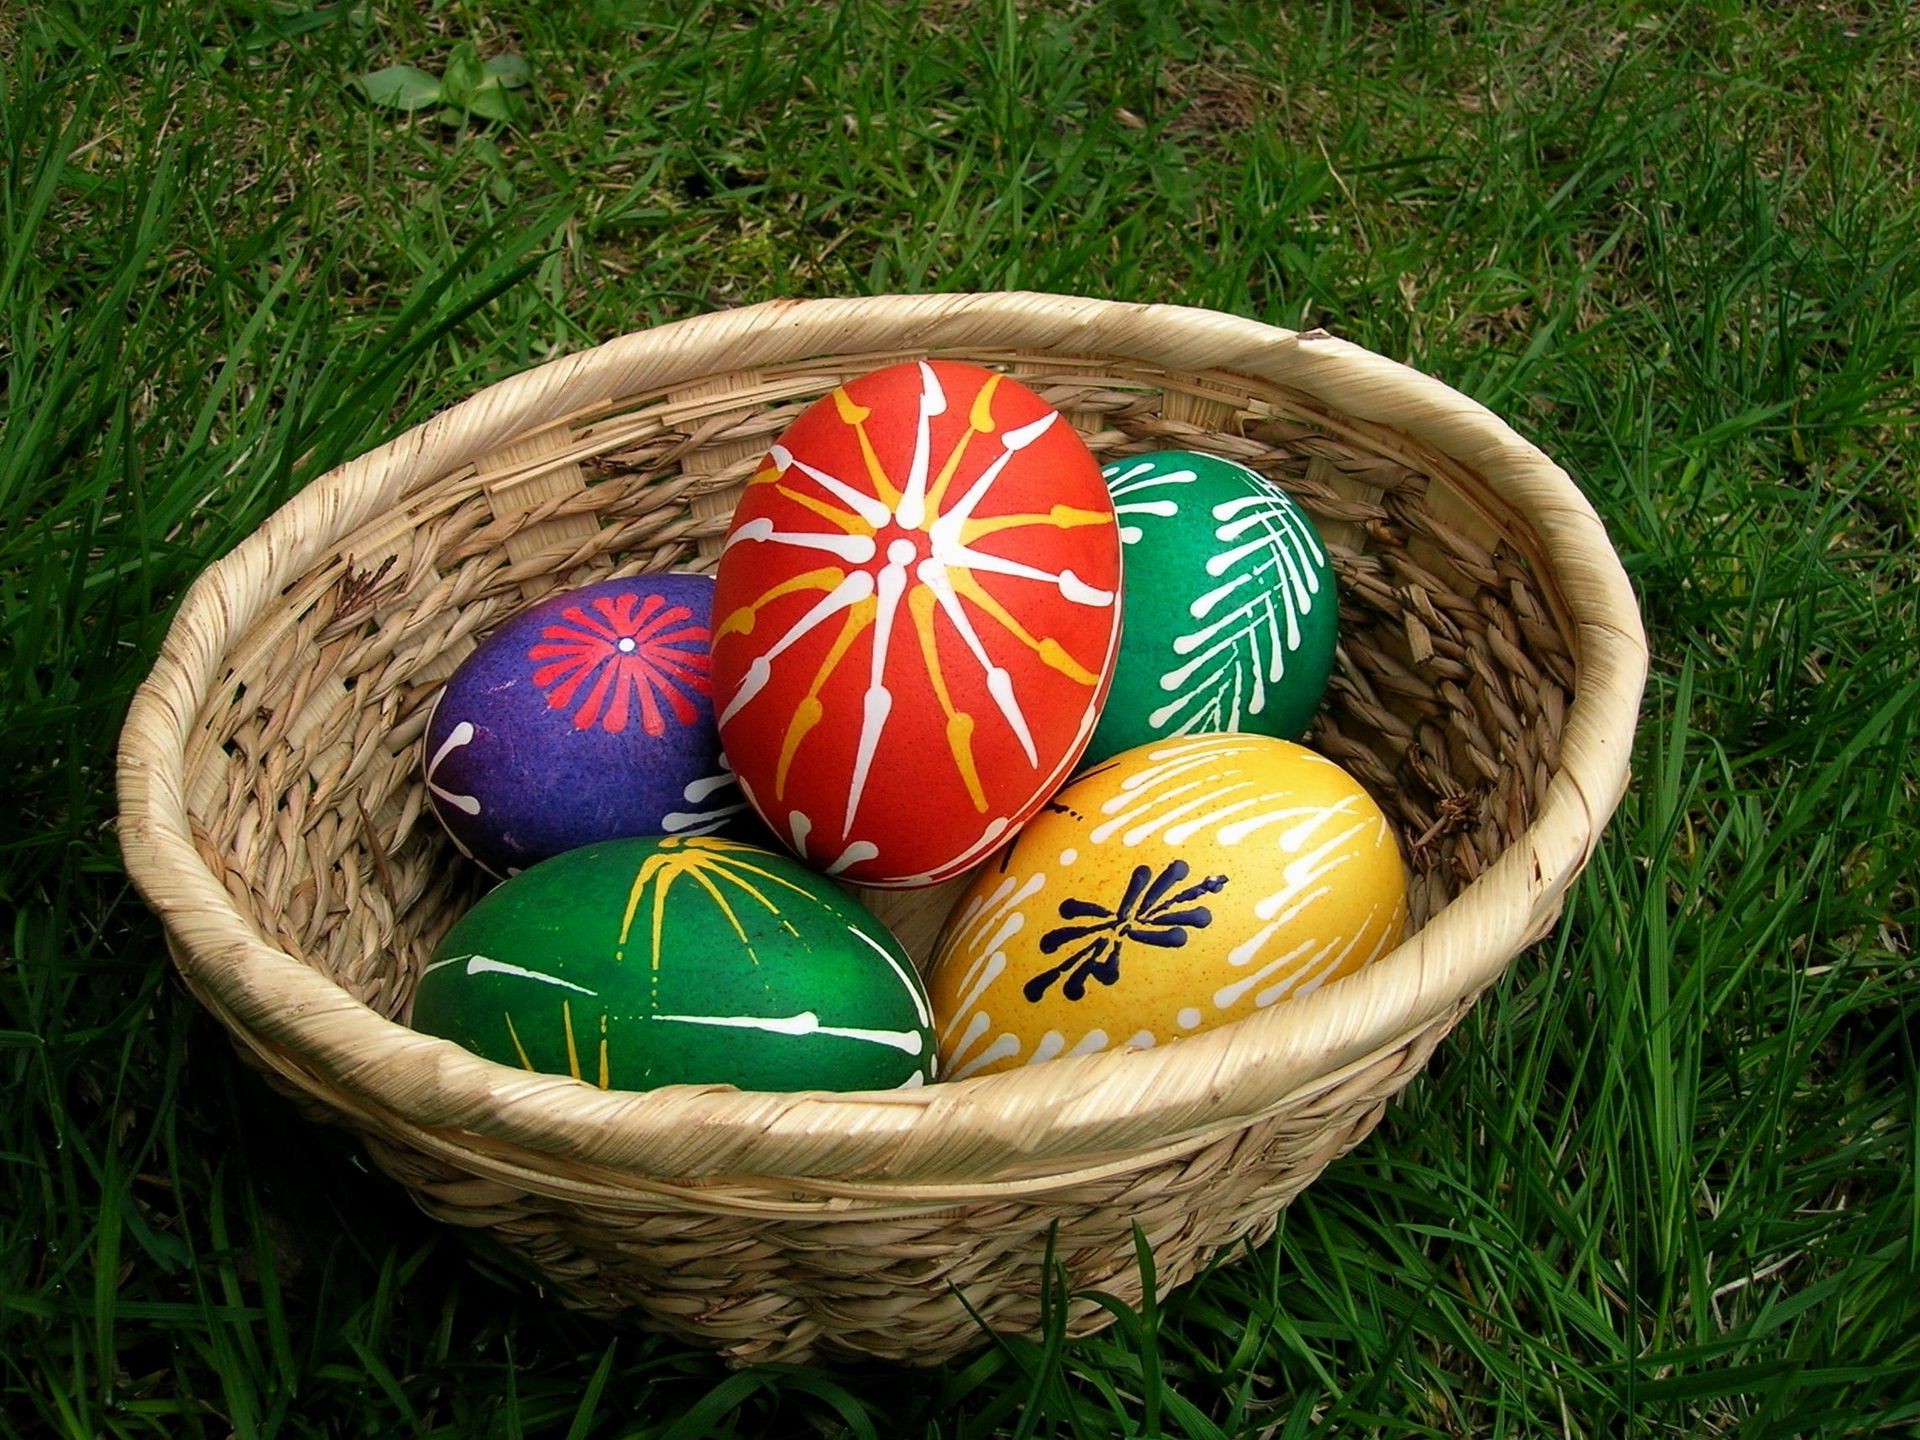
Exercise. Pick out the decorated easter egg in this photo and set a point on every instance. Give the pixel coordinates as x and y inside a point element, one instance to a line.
<point>1231,622</point>
<point>702,961</point>
<point>1177,887</point>
<point>587,717</point>
<point>915,615</point>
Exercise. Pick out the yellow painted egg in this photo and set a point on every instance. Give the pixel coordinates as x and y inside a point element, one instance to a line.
<point>1182,885</point>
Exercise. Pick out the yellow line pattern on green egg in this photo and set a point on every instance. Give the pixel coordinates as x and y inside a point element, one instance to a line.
<point>573,1052</point>
<point>520,1049</point>
<point>706,861</point>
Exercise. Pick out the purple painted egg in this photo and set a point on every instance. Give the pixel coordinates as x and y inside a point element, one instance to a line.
<point>587,717</point>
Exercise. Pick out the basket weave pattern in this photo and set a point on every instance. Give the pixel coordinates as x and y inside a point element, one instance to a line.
<point>273,813</point>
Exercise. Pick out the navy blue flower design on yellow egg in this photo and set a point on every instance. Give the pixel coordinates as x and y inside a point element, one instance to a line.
<point>1146,914</point>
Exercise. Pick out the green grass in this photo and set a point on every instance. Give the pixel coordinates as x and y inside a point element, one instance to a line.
<point>1661,1183</point>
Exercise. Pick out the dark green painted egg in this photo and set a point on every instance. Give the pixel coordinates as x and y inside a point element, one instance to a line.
<point>682,960</point>
<point>1228,597</point>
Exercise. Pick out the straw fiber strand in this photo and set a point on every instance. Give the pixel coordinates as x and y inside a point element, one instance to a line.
<point>272,813</point>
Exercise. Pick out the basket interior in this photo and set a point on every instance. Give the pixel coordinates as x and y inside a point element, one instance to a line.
<point>1450,691</point>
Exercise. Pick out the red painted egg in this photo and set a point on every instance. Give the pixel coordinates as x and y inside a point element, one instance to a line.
<point>915,617</point>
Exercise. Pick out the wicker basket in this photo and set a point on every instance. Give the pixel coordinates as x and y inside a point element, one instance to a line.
<point>271,810</point>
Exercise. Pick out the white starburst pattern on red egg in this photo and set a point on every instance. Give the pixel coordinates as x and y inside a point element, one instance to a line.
<point>928,556</point>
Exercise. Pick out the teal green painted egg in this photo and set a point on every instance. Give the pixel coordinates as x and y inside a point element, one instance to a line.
<point>1230,613</point>
<point>684,960</point>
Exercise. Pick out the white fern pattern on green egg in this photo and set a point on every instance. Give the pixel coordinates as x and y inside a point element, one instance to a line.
<point>1271,581</point>
<point>1129,479</point>
<point>1230,621</point>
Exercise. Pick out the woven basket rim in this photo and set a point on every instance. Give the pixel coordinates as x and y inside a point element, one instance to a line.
<point>1058,1123</point>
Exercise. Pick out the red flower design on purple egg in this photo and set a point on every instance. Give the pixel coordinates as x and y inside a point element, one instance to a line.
<point>632,650</point>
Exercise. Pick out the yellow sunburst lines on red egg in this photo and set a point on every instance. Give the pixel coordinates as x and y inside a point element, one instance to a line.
<point>959,727</point>
<point>979,422</point>
<point>1061,517</point>
<point>876,508</point>
<point>910,542</point>
<point>856,416</point>
<point>705,861</point>
<point>774,475</point>
<point>847,521</point>
<point>999,680</point>
<point>808,712</point>
<point>1050,651</point>
<point>742,620</point>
